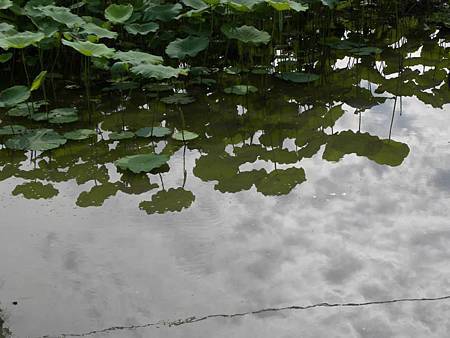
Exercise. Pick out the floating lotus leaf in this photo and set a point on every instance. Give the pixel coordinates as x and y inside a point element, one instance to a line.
<point>37,140</point>
<point>241,89</point>
<point>97,195</point>
<point>246,34</point>
<point>25,109</point>
<point>153,132</point>
<point>123,135</point>
<point>178,98</point>
<point>118,14</point>
<point>5,4</point>
<point>184,135</point>
<point>35,190</point>
<point>280,182</point>
<point>12,130</point>
<point>58,115</point>
<point>190,46</point>
<point>168,200</point>
<point>20,40</point>
<point>5,57</point>
<point>298,77</point>
<point>165,12</point>
<point>88,48</point>
<point>136,58</point>
<point>13,96</point>
<point>80,134</point>
<point>158,72</point>
<point>61,14</point>
<point>37,82</point>
<point>142,162</point>
<point>100,32</point>
<point>142,29</point>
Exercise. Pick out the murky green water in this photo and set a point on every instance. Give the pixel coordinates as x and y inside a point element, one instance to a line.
<point>333,191</point>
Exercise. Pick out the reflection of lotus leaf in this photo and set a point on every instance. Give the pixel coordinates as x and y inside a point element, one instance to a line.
<point>135,184</point>
<point>142,162</point>
<point>123,135</point>
<point>298,77</point>
<point>168,200</point>
<point>35,190</point>
<point>153,132</point>
<point>88,48</point>
<point>85,172</point>
<point>97,195</point>
<point>387,152</point>
<point>190,46</point>
<point>184,135</point>
<point>178,98</point>
<point>37,139</point>
<point>80,134</point>
<point>241,89</point>
<point>280,182</point>
<point>164,12</point>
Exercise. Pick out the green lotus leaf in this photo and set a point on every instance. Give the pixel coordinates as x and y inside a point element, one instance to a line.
<point>299,77</point>
<point>178,98</point>
<point>365,51</point>
<point>280,182</point>
<point>13,96</point>
<point>35,190</point>
<point>12,130</point>
<point>88,48</point>
<point>153,132</point>
<point>285,5</point>
<point>58,115</point>
<point>20,40</point>
<point>136,58</point>
<point>5,4</point>
<point>168,200</point>
<point>142,162</point>
<point>164,12</point>
<point>158,72</point>
<point>195,4</point>
<point>246,34</point>
<point>190,46</point>
<point>80,134</point>
<point>61,14</point>
<point>241,89</point>
<point>243,5</point>
<point>26,109</point>
<point>5,57</point>
<point>37,82</point>
<point>123,135</point>
<point>184,135</point>
<point>36,140</point>
<point>142,29</point>
<point>118,14</point>
<point>100,32</point>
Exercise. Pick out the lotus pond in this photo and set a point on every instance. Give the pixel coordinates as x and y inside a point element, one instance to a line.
<point>211,168</point>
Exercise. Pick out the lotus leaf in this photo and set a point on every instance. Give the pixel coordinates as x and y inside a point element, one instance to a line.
<point>158,72</point>
<point>246,34</point>
<point>61,14</point>
<point>88,48</point>
<point>12,130</point>
<point>123,135</point>
<point>13,96</point>
<point>142,162</point>
<point>36,140</point>
<point>136,58</point>
<point>153,132</point>
<point>164,12</point>
<point>190,46</point>
<point>80,134</point>
<point>142,29</point>
<point>241,89</point>
<point>5,57</point>
<point>184,135</point>
<point>20,40</point>
<point>37,82</point>
<point>5,4</point>
<point>178,98</point>
<point>118,14</point>
<point>100,32</point>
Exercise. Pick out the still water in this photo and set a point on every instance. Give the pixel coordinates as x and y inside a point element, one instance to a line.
<point>335,191</point>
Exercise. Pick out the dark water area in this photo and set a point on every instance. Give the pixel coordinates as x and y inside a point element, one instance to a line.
<point>325,182</point>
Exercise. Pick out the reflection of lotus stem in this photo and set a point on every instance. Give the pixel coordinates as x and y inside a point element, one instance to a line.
<point>25,67</point>
<point>184,166</point>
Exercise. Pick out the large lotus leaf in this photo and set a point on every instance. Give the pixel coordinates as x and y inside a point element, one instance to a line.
<point>299,77</point>
<point>190,46</point>
<point>168,200</point>
<point>178,98</point>
<point>37,140</point>
<point>20,40</point>
<point>158,72</point>
<point>88,48</point>
<point>80,134</point>
<point>13,96</point>
<point>386,152</point>
<point>58,115</point>
<point>241,89</point>
<point>243,5</point>
<point>142,162</point>
<point>196,4</point>
<point>12,130</point>
<point>100,32</point>
<point>37,82</point>
<point>280,182</point>
<point>25,109</point>
<point>35,190</point>
<point>123,135</point>
<point>285,5</point>
<point>246,34</point>
<point>135,58</point>
<point>5,4</point>
<point>118,14</point>
<point>142,29</point>
<point>62,15</point>
<point>184,135</point>
<point>97,195</point>
<point>165,12</point>
<point>153,132</point>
